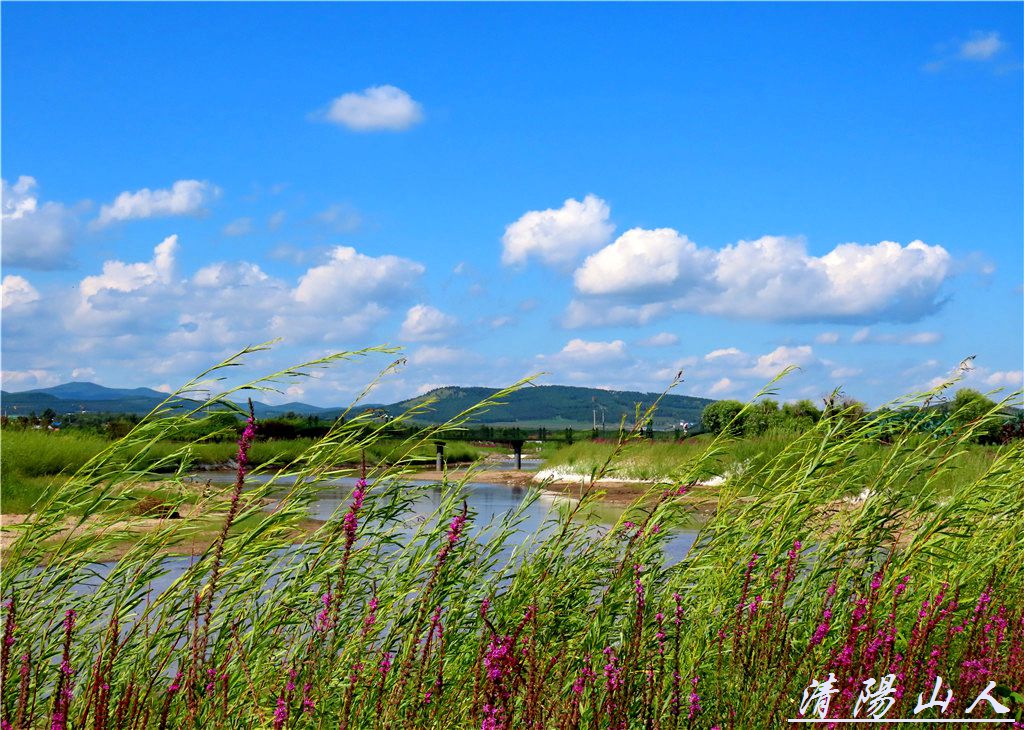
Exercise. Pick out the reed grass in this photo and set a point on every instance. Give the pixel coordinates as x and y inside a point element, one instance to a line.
<point>385,618</point>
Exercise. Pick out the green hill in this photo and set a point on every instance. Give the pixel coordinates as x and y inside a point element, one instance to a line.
<point>556,406</point>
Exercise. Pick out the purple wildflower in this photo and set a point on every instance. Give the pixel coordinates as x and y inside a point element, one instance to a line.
<point>244,443</point>
<point>499,658</point>
<point>371,616</point>
<point>280,713</point>
<point>351,520</point>
<point>323,619</point>
<point>694,698</point>
<point>612,670</point>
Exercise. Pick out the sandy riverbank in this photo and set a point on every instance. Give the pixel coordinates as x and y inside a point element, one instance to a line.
<point>201,536</point>
<point>620,492</point>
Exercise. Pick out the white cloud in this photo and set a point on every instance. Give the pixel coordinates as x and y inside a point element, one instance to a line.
<point>865,335</point>
<point>642,261</point>
<point>981,46</point>
<point>771,364</point>
<point>980,377</point>
<point>83,374</point>
<point>424,323</point>
<point>126,298</point>
<point>350,278</point>
<point>28,379</point>
<point>184,197</point>
<point>558,237</point>
<point>17,291</point>
<point>432,355</point>
<point>376,108</point>
<point>726,353</point>
<point>827,338</point>
<point>583,352</point>
<point>1006,378</point>
<point>501,321</point>
<point>646,274</point>
<point>775,278</point>
<point>662,339</point>
<point>224,274</point>
<point>722,386</point>
<point>119,276</point>
<point>150,322</point>
<point>35,236</point>
<point>238,227</point>
<point>597,312</point>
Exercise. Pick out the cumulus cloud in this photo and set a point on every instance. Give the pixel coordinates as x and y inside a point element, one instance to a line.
<point>558,237</point>
<point>722,386</point>
<point>774,362</point>
<point>344,298</point>
<point>378,108</point>
<point>424,323</point>
<point>119,276</point>
<point>35,236</point>
<point>598,312</point>
<point>150,318</point>
<point>1006,378</point>
<point>646,274</point>
<point>185,197</point>
<point>28,379</point>
<point>662,339</point>
<point>969,375</point>
<point>579,358</point>
<point>126,297</point>
<point>225,274</point>
<point>349,278</point>
<point>643,261</point>
<point>17,292</point>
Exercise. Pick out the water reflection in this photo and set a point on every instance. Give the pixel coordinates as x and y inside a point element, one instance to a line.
<point>491,505</point>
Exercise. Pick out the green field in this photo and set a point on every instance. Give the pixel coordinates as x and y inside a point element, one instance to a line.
<point>34,462</point>
<point>642,459</point>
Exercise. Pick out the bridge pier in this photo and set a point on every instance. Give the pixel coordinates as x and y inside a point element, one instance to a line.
<point>517,447</point>
<point>440,454</point>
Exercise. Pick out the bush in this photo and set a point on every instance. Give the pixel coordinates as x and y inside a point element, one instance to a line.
<point>722,414</point>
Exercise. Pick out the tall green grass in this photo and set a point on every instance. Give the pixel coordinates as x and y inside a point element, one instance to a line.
<point>646,460</point>
<point>387,618</point>
<point>33,462</point>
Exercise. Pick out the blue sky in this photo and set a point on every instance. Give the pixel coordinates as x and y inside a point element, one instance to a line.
<point>607,193</point>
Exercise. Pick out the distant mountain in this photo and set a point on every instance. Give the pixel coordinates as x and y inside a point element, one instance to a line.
<point>93,398</point>
<point>554,406</point>
<point>92,391</point>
